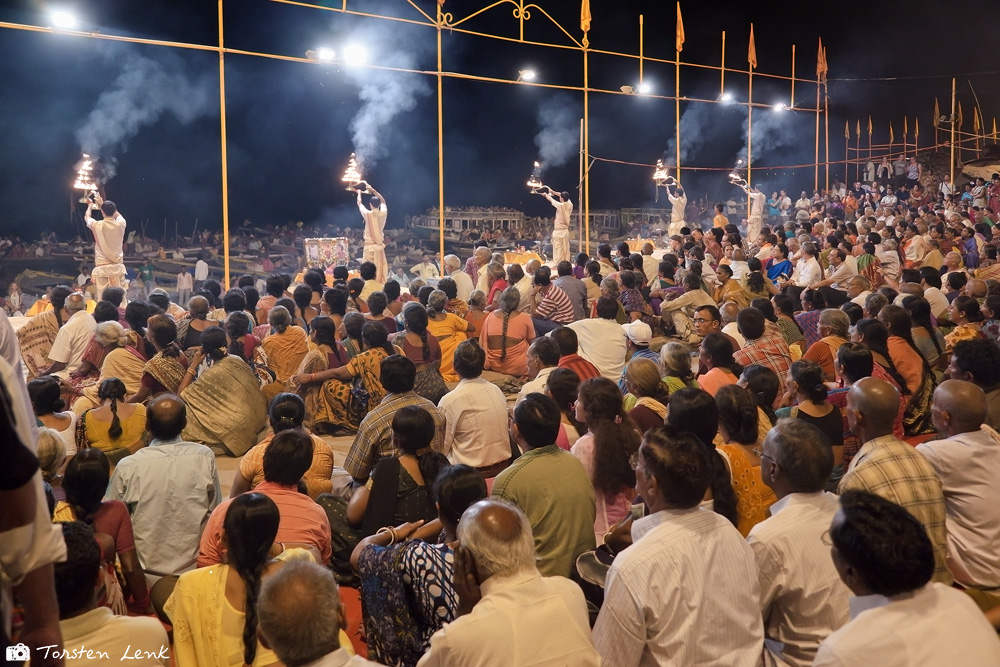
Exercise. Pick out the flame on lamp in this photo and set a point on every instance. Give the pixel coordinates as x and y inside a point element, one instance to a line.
<point>535,182</point>
<point>85,174</point>
<point>352,175</point>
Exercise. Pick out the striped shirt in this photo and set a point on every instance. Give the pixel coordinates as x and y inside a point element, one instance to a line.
<point>768,350</point>
<point>892,469</point>
<point>555,306</point>
<point>685,593</point>
<point>583,368</point>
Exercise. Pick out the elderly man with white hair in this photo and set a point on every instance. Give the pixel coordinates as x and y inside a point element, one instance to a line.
<point>508,614</point>
<point>67,350</point>
<point>453,269</point>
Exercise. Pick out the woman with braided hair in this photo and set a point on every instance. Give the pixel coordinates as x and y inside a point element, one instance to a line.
<point>214,609</point>
<point>115,427</point>
<point>506,335</point>
<point>423,349</point>
<point>449,328</point>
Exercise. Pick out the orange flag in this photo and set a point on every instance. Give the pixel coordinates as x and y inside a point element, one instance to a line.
<point>857,130</point>
<point>752,51</point>
<point>906,130</point>
<point>585,16</point>
<point>821,67</point>
<point>847,129</point>
<point>961,118</point>
<point>994,128</point>
<point>892,136</point>
<point>937,113</point>
<point>916,128</point>
<point>975,119</point>
<point>869,126</point>
<point>680,29</point>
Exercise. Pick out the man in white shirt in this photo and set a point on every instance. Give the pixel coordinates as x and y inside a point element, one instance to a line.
<point>602,340</point>
<point>508,614</point>
<point>426,269</point>
<point>889,200</point>
<point>543,358</point>
<point>858,289</point>
<point>374,217</point>
<point>898,618</point>
<point>185,284</point>
<point>803,203</point>
<point>930,280</point>
<point>560,225</point>
<point>686,592</point>
<point>67,350</point>
<point>678,204</point>
<point>967,459</point>
<point>109,232</point>
<point>728,312</point>
<point>475,415</point>
<point>755,219</point>
<point>91,632</point>
<point>889,258</point>
<point>453,269</point>
<point>838,275</point>
<point>677,313</point>
<point>802,598</point>
<point>300,617</point>
<point>169,478</point>
<point>200,272</point>
<point>650,264</point>
<point>516,278</point>
<point>947,188</point>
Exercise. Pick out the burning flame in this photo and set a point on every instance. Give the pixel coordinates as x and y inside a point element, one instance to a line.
<point>85,174</point>
<point>660,174</point>
<point>352,175</point>
<point>535,182</point>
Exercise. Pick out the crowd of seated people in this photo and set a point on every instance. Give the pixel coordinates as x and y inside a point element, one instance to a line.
<point>777,450</point>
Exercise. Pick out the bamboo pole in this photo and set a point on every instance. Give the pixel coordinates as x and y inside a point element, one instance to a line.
<point>677,112</point>
<point>826,123</point>
<point>440,123</point>
<point>816,167</point>
<point>586,147</point>
<point>793,77</point>
<point>953,120</point>
<point>722,67</point>
<point>225,158</point>
<point>579,198</point>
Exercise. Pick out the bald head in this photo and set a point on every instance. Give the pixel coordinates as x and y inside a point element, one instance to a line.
<point>166,417</point>
<point>75,303</point>
<point>647,248</point>
<point>911,288</point>
<point>498,536</point>
<point>958,407</point>
<point>483,255</point>
<point>299,613</point>
<point>532,266</point>
<point>729,311</point>
<point>976,288</point>
<point>872,405</point>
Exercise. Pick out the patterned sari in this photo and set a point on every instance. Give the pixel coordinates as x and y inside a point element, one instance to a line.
<point>35,340</point>
<point>225,408</point>
<point>167,371</point>
<point>125,363</point>
<point>749,487</point>
<point>328,403</point>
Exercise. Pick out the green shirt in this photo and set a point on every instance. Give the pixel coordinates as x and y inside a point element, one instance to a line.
<point>552,488</point>
<point>146,272</point>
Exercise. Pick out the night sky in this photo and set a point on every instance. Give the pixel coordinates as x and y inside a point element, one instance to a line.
<point>155,110</point>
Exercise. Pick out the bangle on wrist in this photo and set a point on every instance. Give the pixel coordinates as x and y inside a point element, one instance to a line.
<point>390,530</point>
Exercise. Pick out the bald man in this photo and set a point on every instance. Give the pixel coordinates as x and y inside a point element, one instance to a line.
<point>508,614</point>
<point>978,361</point>
<point>967,459</point>
<point>977,289</point>
<point>171,488</point>
<point>888,467</point>
<point>729,311</point>
<point>78,328</point>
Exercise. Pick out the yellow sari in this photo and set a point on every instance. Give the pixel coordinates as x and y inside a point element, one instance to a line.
<point>225,408</point>
<point>450,332</point>
<point>285,352</point>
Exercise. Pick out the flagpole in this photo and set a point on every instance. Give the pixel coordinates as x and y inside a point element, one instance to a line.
<point>225,159</point>
<point>847,148</point>
<point>857,151</point>
<point>816,166</point>
<point>826,126</point>
<point>953,119</point>
<point>440,128</point>
<point>753,52</point>
<point>793,77</point>
<point>722,68</point>
<point>678,45</point>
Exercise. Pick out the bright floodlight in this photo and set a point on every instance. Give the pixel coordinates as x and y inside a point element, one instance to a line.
<point>526,75</point>
<point>644,88</point>
<point>63,19</point>
<point>355,54</point>
<point>325,54</point>
<point>726,98</point>
<point>780,107</point>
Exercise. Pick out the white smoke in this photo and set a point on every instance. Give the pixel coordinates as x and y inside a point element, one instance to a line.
<point>772,131</point>
<point>384,95</point>
<point>699,124</point>
<point>142,92</point>
<point>558,138</point>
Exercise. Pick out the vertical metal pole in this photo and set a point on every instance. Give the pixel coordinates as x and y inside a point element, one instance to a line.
<point>440,119</point>
<point>225,159</point>
<point>677,112</point>
<point>579,197</point>
<point>816,167</point>
<point>826,123</point>
<point>586,147</point>
<point>953,121</point>
<point>793,76</point>
<point>749,139</point>
<point>722,68</point>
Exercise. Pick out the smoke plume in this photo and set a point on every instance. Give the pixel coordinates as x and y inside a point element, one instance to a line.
<point>384,95</point>
<point>699,124</point>
<point>142,92</point>
<point>772,131</point>
<point>558,138</point>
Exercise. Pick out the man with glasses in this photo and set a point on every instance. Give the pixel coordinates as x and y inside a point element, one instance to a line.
<point>802,599</point>
<point>706,320</point>
<point>686,592</point>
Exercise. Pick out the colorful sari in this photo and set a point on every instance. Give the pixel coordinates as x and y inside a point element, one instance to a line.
<point>749,488</point>
<point>328,403</point>
<point>225,407</point>
<point>871,268</point>
<point>285,352</point>
<point>35,340</point>
<point>776,270</point>
<point>126,364</point>
<point>165,371</point>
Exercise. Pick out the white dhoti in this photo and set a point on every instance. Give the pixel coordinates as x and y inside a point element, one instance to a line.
<point>108,275</point>
<point>560,246</point>
<point>754,224</point>
<point>375,253</point>
<point>675,227</point>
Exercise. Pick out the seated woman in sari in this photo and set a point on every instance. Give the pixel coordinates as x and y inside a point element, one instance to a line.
<point>124,359</point>
<point>351,390</point>
<point>505,336</point>
<point>833,330</point>
<point>165,369</point>
<point>36,337</point>
<point>424,351</point>
<point>213,609</point>
<point>93,355</point>
<point>115,427</point>
<point>351,331</point>
<point>455,306</point>
<point>225,408</point>
<point>964,313</point>
<point>778,267</point>
<point>85,484</point>
<point>327,401</point>
<point>738,430</point>
<point>632,301</point>
<point>448,328</point>
<point>377,305</point>
<point>496,278</point>
<point>285,348</point>
<point>477,309</point>
<point>247,347</point>
<point>407,589</point>
<point>303,298</point>
<point>191,328</point>
<point>335,305</point>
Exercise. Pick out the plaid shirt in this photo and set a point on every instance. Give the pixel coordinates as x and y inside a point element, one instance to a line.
<point>769,350</point>
<point>892,469</point>
<point>374,438</point>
